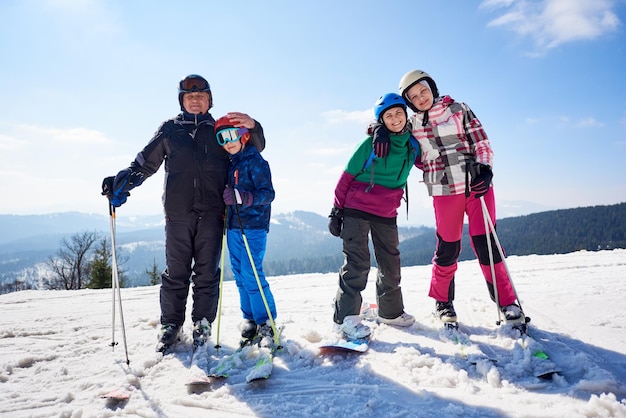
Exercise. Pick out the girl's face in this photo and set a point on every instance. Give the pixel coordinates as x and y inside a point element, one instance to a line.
<point>420,96</point>
<point>394,119</point>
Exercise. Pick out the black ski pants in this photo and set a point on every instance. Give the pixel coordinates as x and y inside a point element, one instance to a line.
<point>192,255</point>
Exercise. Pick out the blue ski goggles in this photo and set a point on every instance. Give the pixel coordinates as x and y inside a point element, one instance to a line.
<point>230,135</point>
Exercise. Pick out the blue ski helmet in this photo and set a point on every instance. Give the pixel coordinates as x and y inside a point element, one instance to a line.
<point>386,102</point>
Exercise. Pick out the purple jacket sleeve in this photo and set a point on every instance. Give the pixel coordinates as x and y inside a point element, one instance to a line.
<point>341,190</point>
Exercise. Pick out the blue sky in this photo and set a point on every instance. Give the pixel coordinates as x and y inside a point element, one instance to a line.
<point>85,83</point>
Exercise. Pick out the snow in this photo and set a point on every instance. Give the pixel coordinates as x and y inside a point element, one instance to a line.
<point>57,359</point>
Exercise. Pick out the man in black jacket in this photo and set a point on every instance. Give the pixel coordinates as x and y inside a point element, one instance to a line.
<point>196,169</point>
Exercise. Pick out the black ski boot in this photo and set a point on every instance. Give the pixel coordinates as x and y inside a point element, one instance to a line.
<point>168,336</point>
<point>201,332</point>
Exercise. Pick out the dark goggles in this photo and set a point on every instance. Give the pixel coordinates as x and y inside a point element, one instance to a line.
<point>230,135</point>
<point>191,84</point>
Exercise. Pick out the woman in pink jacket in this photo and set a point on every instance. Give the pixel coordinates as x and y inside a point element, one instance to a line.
<point>457,160</point>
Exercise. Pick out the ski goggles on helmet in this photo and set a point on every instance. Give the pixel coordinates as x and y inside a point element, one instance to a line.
<point>191,84</point>
<point>230,135</point>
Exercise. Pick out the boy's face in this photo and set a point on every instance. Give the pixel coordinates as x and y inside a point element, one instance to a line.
<point>233,147</point>
<point>394,119</point>
<point>420,96</point>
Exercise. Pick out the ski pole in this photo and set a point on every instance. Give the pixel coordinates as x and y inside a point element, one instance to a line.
<point>115,285</point>
<point>499,246</point>
<point>491,262</point>
<point>112,227</point>
<point>219,304</point>
<point>258,281</point>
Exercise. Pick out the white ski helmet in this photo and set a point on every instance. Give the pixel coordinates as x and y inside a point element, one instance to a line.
<point>412,78</point>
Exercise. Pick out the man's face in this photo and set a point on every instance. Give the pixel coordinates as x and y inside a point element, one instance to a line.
<point>196,102</point>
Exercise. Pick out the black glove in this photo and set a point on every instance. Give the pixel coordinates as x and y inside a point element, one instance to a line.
<point>107,187</point>
<point>481,179</point>
<point>117,188</point>
<point>335,222</point>
<point>126,180</point>
<point>116,200</point>
<point>380,141</point>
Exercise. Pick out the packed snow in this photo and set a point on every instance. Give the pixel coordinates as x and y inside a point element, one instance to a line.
<point>57,358</point>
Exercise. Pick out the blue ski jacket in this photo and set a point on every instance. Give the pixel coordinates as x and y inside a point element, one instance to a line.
<point>249,172</point>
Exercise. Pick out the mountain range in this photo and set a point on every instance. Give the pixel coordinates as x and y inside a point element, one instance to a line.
<point>298,242</point>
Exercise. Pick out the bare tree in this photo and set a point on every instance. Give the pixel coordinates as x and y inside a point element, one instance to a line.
<point>72,264</point>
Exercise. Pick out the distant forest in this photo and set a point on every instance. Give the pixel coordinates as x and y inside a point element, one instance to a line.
<point>553,232</point>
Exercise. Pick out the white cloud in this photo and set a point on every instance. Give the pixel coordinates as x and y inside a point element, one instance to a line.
<point>490,4</point>
<point>588,123</point>
<point>532,121</point>
<point>356,116</point>
<point>9,143</point>
<point>550,23</point>
<point>56,135</point>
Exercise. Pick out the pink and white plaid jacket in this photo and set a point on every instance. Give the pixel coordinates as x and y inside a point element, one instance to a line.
<point>452,138</point>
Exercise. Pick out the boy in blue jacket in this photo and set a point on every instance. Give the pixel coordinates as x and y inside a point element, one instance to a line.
<point>248,197</point>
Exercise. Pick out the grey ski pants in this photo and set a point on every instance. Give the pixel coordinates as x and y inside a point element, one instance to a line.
<point>355,269</point>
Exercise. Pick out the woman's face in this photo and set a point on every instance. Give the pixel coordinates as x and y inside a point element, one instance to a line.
<point>394,119</point>
<point>420,96</point>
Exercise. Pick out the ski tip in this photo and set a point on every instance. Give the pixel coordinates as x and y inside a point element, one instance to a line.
<point>218,376</point>
<point>199,381</point>
<point>547,375</point>
<point>356,346</point>
<point>257,379</point>
<point>119,395</point>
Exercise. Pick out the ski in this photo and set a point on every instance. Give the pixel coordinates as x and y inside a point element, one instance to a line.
<point>360,345</point>
<point>198,366</point>
<point>267,348</point>
<point>542,366</point>
<point>263,349</point>
<point>199,380</point>
<point>118,395</point>
<point>262,369</point>
<point>338,342</point>
<point>124,392</point>
<point>467,349</point>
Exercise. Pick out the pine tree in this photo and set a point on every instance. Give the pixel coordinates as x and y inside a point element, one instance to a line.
<point>154,274</point>
<point>101,267</point>
<point>101,271</point>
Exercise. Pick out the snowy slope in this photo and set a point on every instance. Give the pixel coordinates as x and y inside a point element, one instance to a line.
<point>57,360</point>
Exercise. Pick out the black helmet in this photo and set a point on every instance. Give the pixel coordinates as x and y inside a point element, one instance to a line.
<point>193,83</point>
<point>412,78</point>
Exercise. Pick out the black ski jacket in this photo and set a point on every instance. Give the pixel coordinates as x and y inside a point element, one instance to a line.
<point>196,166</point>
